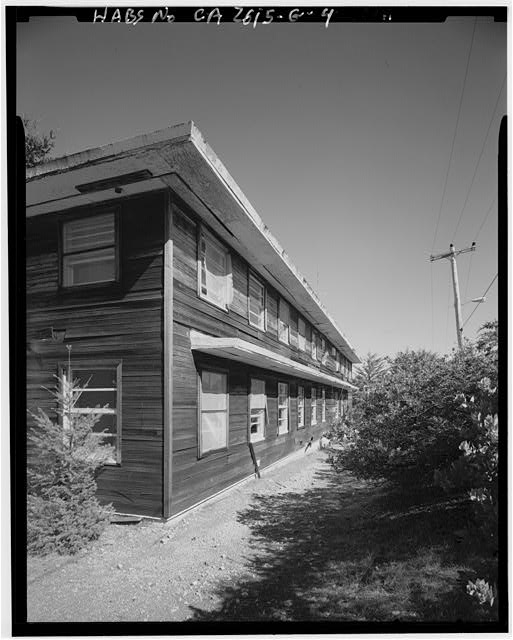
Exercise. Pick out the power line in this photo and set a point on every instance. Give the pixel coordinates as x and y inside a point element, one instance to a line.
<point>485,218</point>
<point>479,159</point>
<point>478,303</point>
<point>455,132</point>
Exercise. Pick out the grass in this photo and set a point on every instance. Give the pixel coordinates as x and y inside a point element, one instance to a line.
<point>351,551</point>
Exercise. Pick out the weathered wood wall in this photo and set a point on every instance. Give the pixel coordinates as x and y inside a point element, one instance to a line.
<point>120,322</point>
<point>194,478</point>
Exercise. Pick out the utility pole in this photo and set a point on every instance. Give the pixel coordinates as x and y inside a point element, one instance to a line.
<point>451,256</point>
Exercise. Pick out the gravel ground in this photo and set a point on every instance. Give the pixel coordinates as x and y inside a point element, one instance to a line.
<point>166,571</point>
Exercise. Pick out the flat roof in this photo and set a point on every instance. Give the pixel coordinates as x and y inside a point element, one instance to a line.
<point>179,157</point>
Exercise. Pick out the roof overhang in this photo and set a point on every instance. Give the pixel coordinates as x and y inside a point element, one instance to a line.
<point>180,159</point>
<point>257,356</point>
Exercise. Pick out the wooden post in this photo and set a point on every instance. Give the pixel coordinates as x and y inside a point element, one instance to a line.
<point>451,256</point>
<point>168,358</point>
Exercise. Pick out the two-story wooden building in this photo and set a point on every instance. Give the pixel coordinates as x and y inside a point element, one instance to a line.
<point>184,315</point>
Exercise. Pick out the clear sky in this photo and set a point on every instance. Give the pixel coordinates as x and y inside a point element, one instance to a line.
<point>340,138</point>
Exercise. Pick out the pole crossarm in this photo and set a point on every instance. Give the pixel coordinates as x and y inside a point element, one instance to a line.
<point>453,252</point>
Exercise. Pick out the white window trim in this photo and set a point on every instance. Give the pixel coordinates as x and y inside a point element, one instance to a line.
<point>313,405</point>
<point>300,403</point>
<point>201,453</point>
<point>280,431</point>
<point>263,326</point>
<point>92,250</point>
<point>281,323</point>
<point>109,366</point>
<point>257,437</point>
<point>301,335</point>
<point>209,237</point>
<point>323,404</point>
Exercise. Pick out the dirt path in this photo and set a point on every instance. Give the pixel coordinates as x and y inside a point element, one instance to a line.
<point>181,570</point>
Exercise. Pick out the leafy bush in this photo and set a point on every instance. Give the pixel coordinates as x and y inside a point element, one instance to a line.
<point>410,422</point>
<point>63,513</point>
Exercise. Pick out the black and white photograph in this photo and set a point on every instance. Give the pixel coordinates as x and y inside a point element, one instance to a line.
<point>258,277</point>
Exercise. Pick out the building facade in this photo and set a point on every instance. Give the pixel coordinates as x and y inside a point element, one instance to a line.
<point>152,279</point>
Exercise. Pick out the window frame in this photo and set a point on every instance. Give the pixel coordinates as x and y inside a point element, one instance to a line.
<point>301,407</point>
<point>261,283</point>
<point>313,346</point>
<point>313,405</point>
<point>282,433</point>
<point>102,365</point>
<point>323,404</point>
<point>301,335</point>
<point>218,370</point>
<point>89,213</point>
<point>204,233</point>
<point>282,301</point>
<point>266,412</point>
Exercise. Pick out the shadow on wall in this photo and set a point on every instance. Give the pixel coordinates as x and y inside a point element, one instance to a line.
<point>349,551</point>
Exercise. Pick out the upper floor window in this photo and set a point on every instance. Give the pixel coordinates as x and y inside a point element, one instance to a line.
<point>257,410</point>
<point>213,433</point>
<point>256,302</point>
<point>314,345</point>
<point>98,392</point>
<point>214,271</point>
<point>324,351</point>
<point>301,330</point>
<point>283,321</point>
<point>337,361</point>
<point>89,250</point>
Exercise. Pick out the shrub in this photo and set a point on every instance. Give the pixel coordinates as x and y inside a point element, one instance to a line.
<point>63,513</point>
<point>410,422</point>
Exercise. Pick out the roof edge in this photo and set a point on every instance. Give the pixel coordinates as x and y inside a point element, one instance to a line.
<point>176,132</point>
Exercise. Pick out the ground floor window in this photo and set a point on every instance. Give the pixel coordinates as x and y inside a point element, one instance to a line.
<point>98,391</point>
<point>300,406</point>
<point>314,405</point>
<point>257,410</point>
<point>213,411</point>
<point>283,407</point>
<point>323,405</point>
<point>337,403</point>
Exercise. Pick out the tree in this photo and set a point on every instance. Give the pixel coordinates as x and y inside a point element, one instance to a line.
<point>66,454</point>
<point>38,146</point>
<point>370,371</point>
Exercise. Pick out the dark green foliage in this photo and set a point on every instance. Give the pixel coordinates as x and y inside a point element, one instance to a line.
<point>63,513</point>
<point>37,145</point>
<point>410,423</point>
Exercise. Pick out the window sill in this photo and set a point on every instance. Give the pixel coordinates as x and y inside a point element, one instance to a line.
<point>282,433</point>
<point>255,440</point>
<point>214,303</point>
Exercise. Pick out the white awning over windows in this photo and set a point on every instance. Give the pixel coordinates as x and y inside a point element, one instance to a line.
<point>253,354</point>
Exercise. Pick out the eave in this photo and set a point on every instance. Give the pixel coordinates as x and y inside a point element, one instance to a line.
<point>180,159</point>
<point>257,356</point>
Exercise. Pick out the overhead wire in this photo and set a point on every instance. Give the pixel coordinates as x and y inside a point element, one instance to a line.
<point>478,303</point>
<point>479,159</point>
<point>485,218</point>
<point>454,136</point>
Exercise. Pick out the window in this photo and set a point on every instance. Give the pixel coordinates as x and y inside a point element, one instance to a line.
<point>214,411</point>
<point>99,392</point>
<point>301,329</point>
<point>314,345</point>
<point>256,302</point>
<point>283,321</point>
<point>323,405</point>
<point>300,407</point>
<point>337,362</point>
<point>89,250</point>
<point>283,407</point>
<point>314,405</point>
<point>337,403</point>
<point>324,351</point>
<point>257,410</point>
<point>214,271</point>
